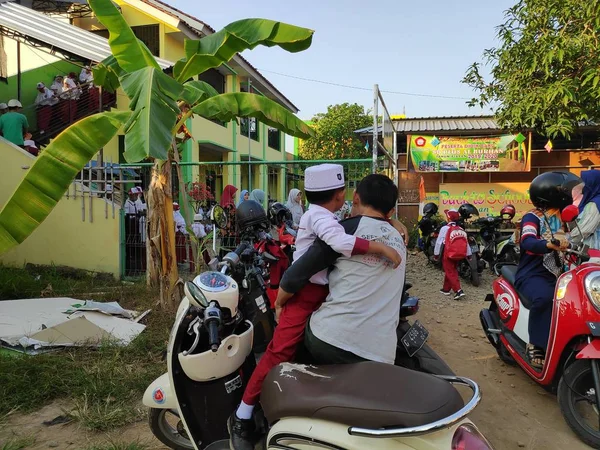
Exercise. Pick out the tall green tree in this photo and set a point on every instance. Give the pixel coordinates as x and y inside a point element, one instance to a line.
<point>156,101</point>
<point>334,133</point>
<point>546,70</point>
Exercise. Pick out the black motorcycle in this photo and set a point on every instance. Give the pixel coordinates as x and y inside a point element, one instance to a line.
<point>498,249</point>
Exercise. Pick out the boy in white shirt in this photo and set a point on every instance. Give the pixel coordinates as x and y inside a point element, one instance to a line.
<point>325,189</point>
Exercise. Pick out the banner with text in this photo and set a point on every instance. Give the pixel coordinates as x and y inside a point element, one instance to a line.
<point>507,153</point>
<point>488,198</point>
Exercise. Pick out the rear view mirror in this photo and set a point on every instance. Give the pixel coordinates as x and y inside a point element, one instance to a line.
<point>218,217</point>
<point>569,214</point>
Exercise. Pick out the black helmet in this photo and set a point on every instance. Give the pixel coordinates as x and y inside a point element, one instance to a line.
<point>430,209</point>
<point>278,213</point>
<point>553,189</point>
<point>250,213</point>
<point>466,210</point>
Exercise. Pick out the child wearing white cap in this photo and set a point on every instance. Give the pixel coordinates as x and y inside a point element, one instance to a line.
<point>325,189</point>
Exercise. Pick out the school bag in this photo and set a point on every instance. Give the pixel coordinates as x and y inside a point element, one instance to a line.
<point>455,247</point>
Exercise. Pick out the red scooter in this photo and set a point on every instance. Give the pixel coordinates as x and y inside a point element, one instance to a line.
<point>572,367</point>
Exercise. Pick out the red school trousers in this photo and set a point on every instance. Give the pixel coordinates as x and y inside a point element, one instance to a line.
<point>288,335</point>
<point>451,280</point>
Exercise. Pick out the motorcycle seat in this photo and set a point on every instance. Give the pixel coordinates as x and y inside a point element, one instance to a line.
<point>367,394</point>
<point>509,273</point>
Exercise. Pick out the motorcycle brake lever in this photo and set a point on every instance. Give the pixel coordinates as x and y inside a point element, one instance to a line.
<point>192,326</point>
<point>196,329</point>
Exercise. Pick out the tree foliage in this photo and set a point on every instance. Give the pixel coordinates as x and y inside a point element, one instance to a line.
<point>546,70</point>
<point>335,136</point>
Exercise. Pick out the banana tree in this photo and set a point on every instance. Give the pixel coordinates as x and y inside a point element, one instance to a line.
<point>151,126</point>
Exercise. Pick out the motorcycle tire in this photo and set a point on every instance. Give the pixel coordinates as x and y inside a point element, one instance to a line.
<point>165,433</point>
<point>475,275</point>
<point>570,393</point>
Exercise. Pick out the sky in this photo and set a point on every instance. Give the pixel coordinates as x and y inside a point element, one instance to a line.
<point>417,47</point>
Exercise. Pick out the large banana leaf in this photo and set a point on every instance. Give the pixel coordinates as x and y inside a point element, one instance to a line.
<point>154,98</point>
<point>197,91</point>
<point>226,107</point>
<point>107,73</point>
<point>51,174</point>
<point>213,50</point>
<point>131,53</point>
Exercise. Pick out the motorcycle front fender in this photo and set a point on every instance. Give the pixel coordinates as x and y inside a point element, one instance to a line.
<point>160,394</point>
<point>590,351</point>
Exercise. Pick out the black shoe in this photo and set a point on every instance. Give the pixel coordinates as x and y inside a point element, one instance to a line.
<point>445,292</point>
<point>459,294</point>
<point>242,433</point>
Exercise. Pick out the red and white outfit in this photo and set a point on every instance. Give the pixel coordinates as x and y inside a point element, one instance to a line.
<point>321,223</point>
<point>450,266</point>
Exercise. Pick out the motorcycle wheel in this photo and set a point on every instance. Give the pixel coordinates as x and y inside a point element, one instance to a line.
<point>467,269</point>
<point>576,392</point>
<point>174,437</point>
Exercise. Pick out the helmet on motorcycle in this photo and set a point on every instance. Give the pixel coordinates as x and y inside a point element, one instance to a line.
<point>508,210</point>
<point>430,209</point>
<point>553,189</point>
<point>278,213</point>
<point>466,210</point>
<point>250,213</point>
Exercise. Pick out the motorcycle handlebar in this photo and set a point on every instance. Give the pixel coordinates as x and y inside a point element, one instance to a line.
<point>241,249</point>
<point>213,335</point>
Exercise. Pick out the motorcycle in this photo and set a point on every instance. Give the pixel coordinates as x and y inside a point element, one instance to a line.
<point>211,356</point>
<point>571,367</point>
<point>498,250</point>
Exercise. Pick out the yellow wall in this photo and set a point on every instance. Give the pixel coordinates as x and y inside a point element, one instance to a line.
<point>63,238</point>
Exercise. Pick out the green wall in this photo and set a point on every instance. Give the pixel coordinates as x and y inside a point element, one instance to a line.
<point>29,80</point>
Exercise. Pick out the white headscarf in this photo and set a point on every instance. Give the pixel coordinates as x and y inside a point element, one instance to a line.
<point>294,206</point>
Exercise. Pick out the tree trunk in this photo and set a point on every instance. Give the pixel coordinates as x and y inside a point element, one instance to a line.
<point>161,271</point>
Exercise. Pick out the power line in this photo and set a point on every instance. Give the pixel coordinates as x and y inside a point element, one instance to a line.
<point>359,88</point>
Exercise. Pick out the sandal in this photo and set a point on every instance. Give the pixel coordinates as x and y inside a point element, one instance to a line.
<point>535,357</point>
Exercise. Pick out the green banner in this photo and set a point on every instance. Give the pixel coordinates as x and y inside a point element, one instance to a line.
<point>507,153</point>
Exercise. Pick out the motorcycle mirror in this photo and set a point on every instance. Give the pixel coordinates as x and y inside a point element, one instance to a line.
<point>195,294</point>
<point>569,214</point>
<point>218,216</point>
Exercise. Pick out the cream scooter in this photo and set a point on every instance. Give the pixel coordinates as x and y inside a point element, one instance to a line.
<point>359,406</point>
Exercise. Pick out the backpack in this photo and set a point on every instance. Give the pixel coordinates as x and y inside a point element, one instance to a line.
<point>455,247</point>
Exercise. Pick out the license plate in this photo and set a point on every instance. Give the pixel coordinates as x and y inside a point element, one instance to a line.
<point>414,338</point>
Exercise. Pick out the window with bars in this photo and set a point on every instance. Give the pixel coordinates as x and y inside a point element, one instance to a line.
<point>274,138</point>
<point>148,34</point>
<point>252,123</point>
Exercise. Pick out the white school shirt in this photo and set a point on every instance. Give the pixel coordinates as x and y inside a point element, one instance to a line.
<point>321,223</point>
<point>131,207</point>
<point>442,240</point>
<point>46,98</point>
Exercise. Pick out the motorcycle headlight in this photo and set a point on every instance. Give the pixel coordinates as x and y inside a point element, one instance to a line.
<point>592,288</point>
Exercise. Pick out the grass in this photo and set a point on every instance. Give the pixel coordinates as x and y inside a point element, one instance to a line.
<point>18,443</point>
<point>104,385</point>
<point>119,446</point>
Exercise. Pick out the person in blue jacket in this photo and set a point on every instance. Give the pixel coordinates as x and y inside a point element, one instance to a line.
<point>542,238</point>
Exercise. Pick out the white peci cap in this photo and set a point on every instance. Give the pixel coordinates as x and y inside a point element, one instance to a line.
<point>3,106</point>
<point>324,177</point>
<point>40,85</point>
<point>198,217</point>
<point>14,103</point>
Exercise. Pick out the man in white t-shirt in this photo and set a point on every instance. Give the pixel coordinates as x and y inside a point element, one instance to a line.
<point>358,320</point>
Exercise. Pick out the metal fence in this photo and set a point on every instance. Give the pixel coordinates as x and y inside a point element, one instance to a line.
<point>111,183</point>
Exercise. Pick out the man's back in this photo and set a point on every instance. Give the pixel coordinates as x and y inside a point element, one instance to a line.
<point>362,310</point>
<point>13,125</point>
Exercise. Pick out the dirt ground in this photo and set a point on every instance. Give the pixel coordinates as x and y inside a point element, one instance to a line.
<point>514,413</point>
